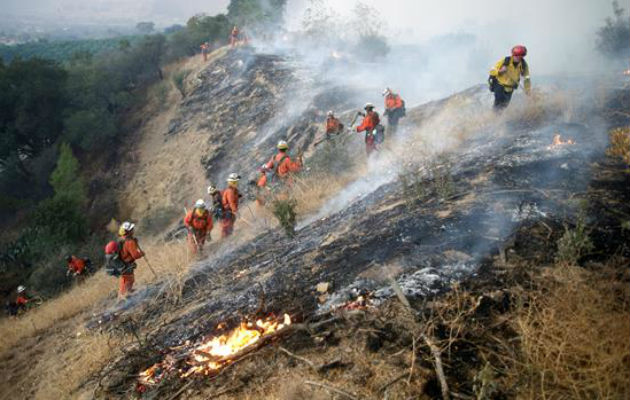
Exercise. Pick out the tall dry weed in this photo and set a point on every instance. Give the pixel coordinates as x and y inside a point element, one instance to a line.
<point>574,332</point>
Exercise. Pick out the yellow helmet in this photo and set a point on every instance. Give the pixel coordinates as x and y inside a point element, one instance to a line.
<point>282,145</point>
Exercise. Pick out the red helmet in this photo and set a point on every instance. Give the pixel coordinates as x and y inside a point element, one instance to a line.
<point>111,248</point>
<point>519,50</point>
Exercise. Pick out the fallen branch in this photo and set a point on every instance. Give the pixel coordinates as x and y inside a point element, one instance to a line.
<point>392,381</point>
<point>413,360</point>
<point>224,391</point>
<point>439,370</point>
<point>304,360</point>
<point>332,389</point>
<point>181,390</point>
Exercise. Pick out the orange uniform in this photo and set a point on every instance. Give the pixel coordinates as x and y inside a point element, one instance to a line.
<point>129,253</point>
<point>205,48</point>
<point>333,126</point>
<point>198,225</point>
<point>234,37</point>
<point>76,265</point>
<point>282,165</point>
<point>368,124</point>
<point>21,300</point>
<point>230,208</point>
<point>393,101</point>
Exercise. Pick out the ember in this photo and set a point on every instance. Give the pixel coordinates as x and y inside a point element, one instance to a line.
<point>363,301</point>
<point>210,355</point>
<point>557,141</point>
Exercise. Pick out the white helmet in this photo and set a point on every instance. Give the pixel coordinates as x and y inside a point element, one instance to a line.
<point>127,226</point>
<point>368,105</point>
<point>234,177</point>
<point>21,289</point>
<point>387,91</point>
<point>212,189</point>
<point>330,113</point>
<point>200,204</point>
<point>282,145</point>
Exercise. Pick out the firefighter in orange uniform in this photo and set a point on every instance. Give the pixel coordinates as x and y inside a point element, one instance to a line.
<point>230,204</point>
<point>234,36</point>
<point>199,224</point>
<point>129,253</point>
<point>394,109</point>
<point>369,124</point>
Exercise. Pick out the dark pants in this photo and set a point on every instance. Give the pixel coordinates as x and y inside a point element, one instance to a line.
<point>501,97</point>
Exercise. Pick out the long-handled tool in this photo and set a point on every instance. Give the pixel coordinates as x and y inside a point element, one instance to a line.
<point>192,233</point>
<point>150,267</point>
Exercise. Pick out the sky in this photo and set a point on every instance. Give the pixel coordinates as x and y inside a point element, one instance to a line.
<point>551,29</point>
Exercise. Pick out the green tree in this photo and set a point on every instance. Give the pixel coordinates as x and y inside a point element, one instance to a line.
<point>257,14</point>
<point>613,39</point>
<point>145,27</point>
<point>66,179</point>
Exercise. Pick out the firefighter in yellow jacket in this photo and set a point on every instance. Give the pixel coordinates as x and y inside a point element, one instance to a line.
<point>506,76</point>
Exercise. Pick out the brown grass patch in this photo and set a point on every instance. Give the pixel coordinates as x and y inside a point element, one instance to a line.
<point>574,337</point>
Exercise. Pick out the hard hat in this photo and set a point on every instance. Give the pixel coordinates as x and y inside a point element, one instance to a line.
<point>282,145</point>
<point>68,258</point>
<point>212,189</point>
<point>386,91</point>
<point>330,113</point>
<point>111,247</point>
<point>21,289</point>
<point>125,228</point>
<point>234,177</point>
<point>368,105</point>
<point>519,50</point>
<point>200,204</point>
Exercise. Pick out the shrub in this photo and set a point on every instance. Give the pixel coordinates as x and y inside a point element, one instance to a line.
<point>284,210</point>
<point>620,144</point>
<point>179,78</point>
<point>574,243</point>
<point>612,38</point>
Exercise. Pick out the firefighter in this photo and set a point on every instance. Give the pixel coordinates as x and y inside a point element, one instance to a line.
<point>234,36</point>
<point>506,76</point>
<point>279,166</point>
<point>394,109</point>
<point>198,221</point>
<point>22,299</point>
<point>217,202</point>
<point>229,200</point>
<point>205,49</point>
<point>77,267</point>
<point>129,252</point>
<point>333,125</point>
<point>369,124</point>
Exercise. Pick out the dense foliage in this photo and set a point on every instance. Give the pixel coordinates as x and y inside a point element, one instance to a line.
<point>62,99</point>
<point>613,37</point>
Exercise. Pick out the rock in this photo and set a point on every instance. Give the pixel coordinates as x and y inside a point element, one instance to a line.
<point>322,287</point>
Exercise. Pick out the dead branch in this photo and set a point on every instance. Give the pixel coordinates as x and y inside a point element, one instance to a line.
<point>439,370</point>
<point>392,381</point>
<point>181,390</point>
<point>332,389</point>
<point>413,359</point>
<point>304,360</point>
<point>224,391</point>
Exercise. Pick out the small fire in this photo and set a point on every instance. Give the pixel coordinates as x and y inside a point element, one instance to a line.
<point>627,72</point>
<point>209,356</point>
<point>557,141</point>
<point>363,301</point>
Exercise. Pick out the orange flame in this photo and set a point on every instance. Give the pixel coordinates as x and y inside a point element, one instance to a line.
<point>557,141</point>
<point>211,355</point>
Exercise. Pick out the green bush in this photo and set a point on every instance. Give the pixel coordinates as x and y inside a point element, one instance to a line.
<point>574,243</point>
<point>284,211</point>
<point>179,78</point>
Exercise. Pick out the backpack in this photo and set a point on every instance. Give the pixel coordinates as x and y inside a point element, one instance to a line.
<point>403,109</point>
<point>271,173</point>
<point>114,266</point>
<point>493,82</point>
<point>379,134</point>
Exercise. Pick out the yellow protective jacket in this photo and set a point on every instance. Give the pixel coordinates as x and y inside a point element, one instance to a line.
<point>510,78</point>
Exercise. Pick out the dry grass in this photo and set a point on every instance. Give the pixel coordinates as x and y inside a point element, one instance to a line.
<point>620,144</point>
<point>311,192</point>
<point>574,337</point>
<point>170,261</point>
<point>77,360</point>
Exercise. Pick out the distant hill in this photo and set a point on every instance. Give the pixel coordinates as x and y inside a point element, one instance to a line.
<point>61,50</point>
